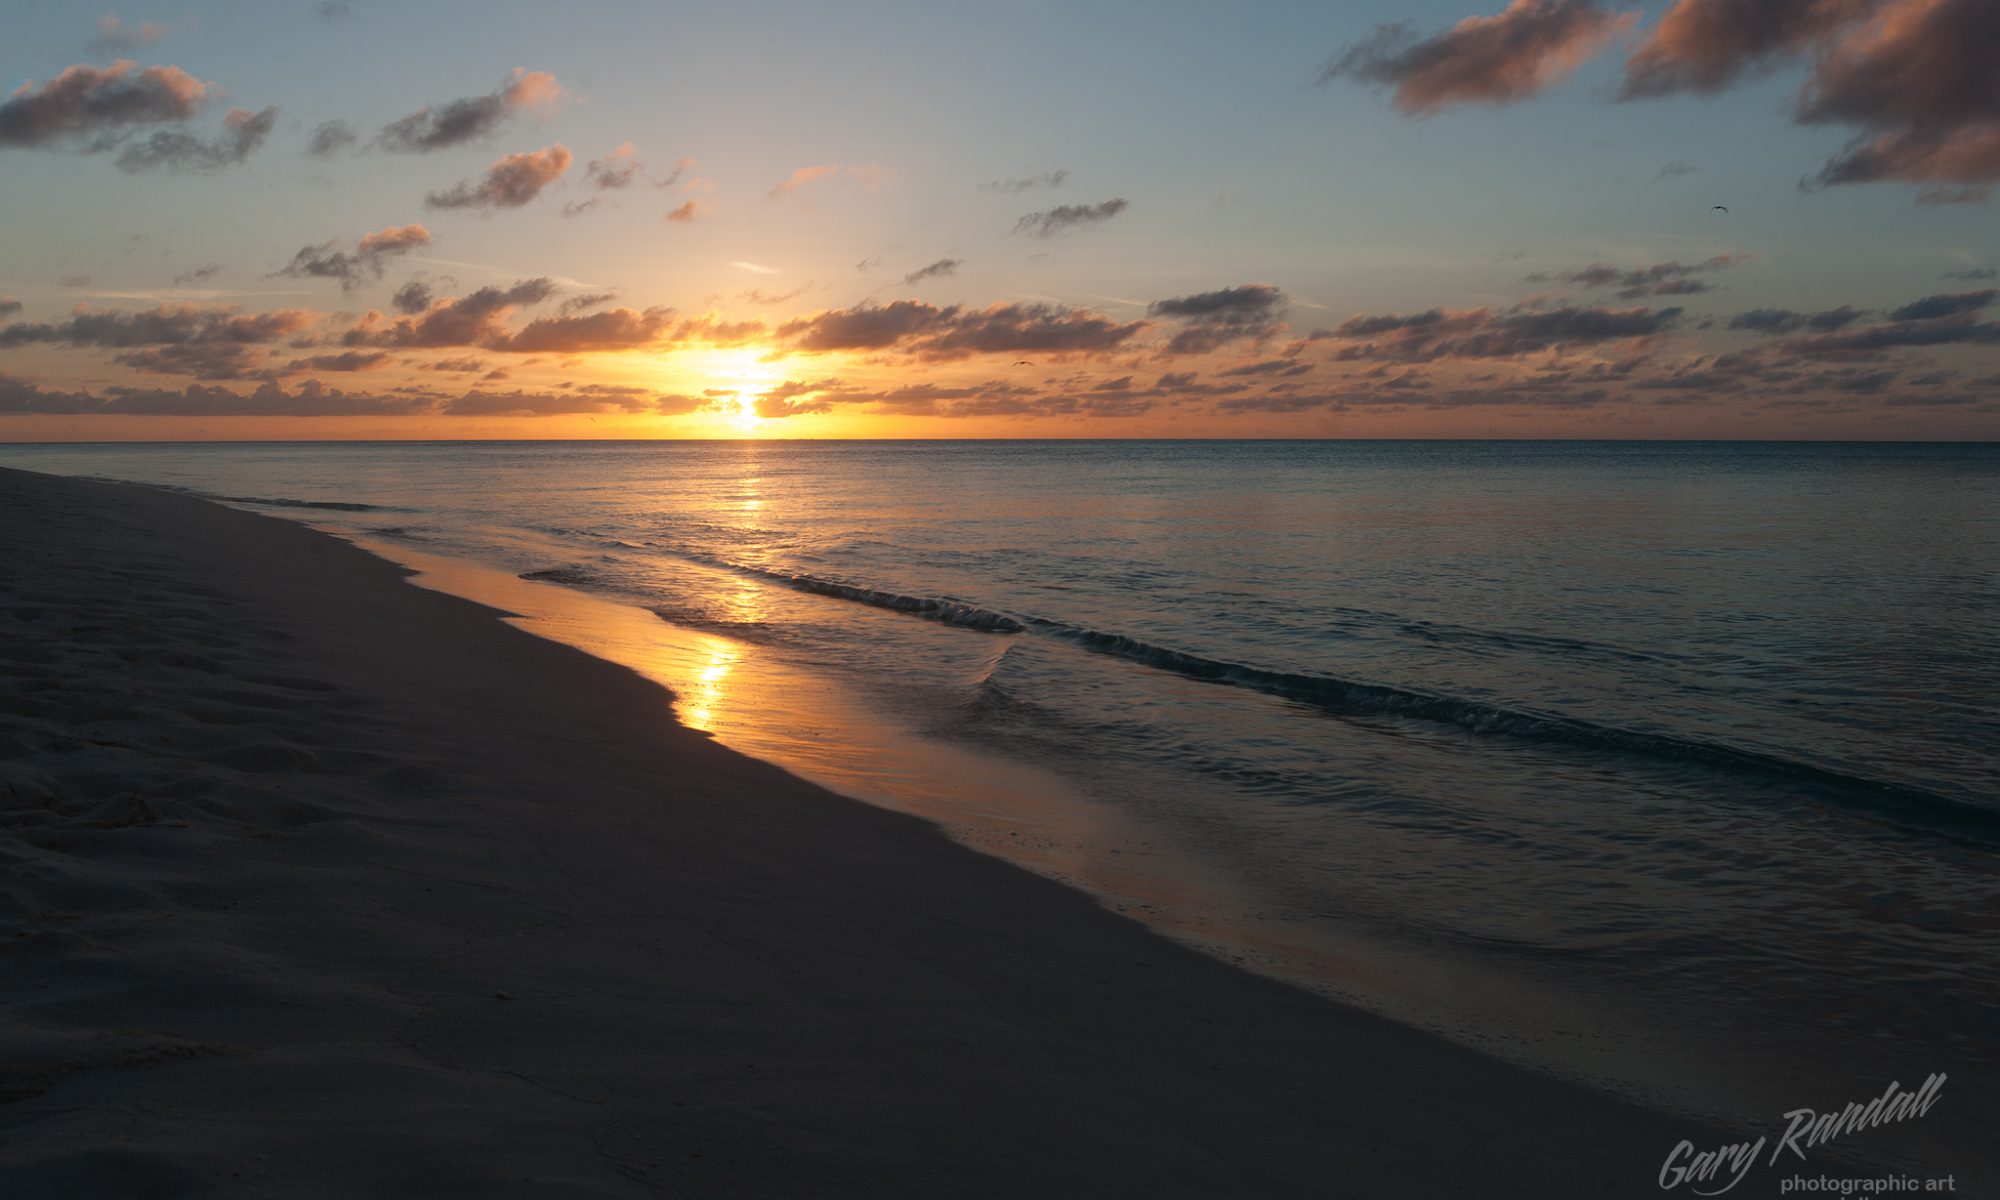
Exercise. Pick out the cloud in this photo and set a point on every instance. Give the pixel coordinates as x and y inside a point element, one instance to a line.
<point>242,132</point>
<point>937,334</point>
<point>95,108</point>
<point>1937,197</point>
<point>509,183</point>
<point>345,361</point>
<point>9,307</point>
<point>330,138</point>
<point>617,329</point>
<point>686,212</point>
<point>1483,333</point>
<point>310,399</point>
<point>1660,279</point>
<point>1920,78</point>
<point>1063,217</point>
<point>1212,319</point>
<point>615,170</point>
<point>577,304</point>
<point>200,274</point>
<point>1931,308</point>
<point>941,268</point>
<point>1008,187</point>
<point>472,320</point>
<point>868,173</point>
<point>468,120</point>
<point>114,36</point>
<point>366,263</point>
<point>1912,78</point>
<point>1947,319</point>
<point>1482,60</point>
<point>1971,274</point>
<point>1707,45</point>
<point>759,296</point>
<point>544,404</point>
<point>202,360</point>
<point>1675,170</point>
<point>333,10</point>
<point>412,298</point>
<point>169,324</point>
<point>1783,320</point>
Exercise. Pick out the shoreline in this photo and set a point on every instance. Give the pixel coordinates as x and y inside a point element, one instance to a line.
<point>332,884</point>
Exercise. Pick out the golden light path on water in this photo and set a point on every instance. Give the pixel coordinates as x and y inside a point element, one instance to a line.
<point>819,729</point>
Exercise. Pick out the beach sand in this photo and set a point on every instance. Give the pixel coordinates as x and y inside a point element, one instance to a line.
<point>317,883</point>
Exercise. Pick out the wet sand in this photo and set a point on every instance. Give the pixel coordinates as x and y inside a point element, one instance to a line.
<point>318,883</point>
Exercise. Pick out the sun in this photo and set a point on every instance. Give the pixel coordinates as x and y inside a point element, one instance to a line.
<point>734,377</point>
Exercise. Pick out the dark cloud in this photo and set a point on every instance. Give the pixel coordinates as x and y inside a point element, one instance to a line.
<point>1931,308</point>
<point>866,326</point>
<point>330,138</point>
<point>476,319</point>
<point>345,361</point>
<point>1212,319</point>
<point>1920,82</point>
<point>333,10</point>
<point>1025,329</point>
<point>1675,170</point>
<point>1784,320</point>
<point>1706,45</point>
<point>933,333</point>
<point>95,108</point>
<point>114,36</point>
<point>200,274</point>
<point>1940,320</point>
<point>1481,60</point>
<point>412,298</point>
<point>201,360</point>
<point>1280,367</point>
<point>173,150</point>
<point>617,329</point>
<point>169,324</point>
<point>543,404</point>
<point>937,270</point>
<point>509,183</point>
<point>577,304</point>
<point>366,263</point>
<point>1660,279</point>
<point>310,399</point>
<point>1971,274</point>
<point>1483,333</point>
<point>9,307</point>
<point>1063,217</point>
<point>471,119</point>
<point>1008,187</point>
<point>1912,78</point>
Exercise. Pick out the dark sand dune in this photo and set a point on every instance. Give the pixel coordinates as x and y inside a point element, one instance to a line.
<point>319,884</point>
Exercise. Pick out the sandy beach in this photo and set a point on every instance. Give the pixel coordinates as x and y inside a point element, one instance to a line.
<point>318,883</point>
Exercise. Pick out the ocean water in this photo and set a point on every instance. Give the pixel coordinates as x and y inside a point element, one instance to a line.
<point>1672,765</point>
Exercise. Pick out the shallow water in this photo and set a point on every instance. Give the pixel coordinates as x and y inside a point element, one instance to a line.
<point>1673,764</point>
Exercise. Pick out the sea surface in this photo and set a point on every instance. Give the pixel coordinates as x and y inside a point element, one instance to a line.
<point>1671,765</point>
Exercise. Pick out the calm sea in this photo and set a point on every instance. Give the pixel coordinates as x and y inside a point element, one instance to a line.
<point>1675,765</point>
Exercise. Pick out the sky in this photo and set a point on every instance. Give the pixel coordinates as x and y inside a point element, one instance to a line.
<point>1550,218</point>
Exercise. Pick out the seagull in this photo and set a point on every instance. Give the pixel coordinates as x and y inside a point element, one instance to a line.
<point>1720,208</point>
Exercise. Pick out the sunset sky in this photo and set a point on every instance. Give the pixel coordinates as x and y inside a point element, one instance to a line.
<point>364,219</point>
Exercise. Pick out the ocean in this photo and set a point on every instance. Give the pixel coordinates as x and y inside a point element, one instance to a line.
<point>1671,766</point>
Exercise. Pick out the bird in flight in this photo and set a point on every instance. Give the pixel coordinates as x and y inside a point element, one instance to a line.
<point>1720,208</point>
<point>1024,363</point>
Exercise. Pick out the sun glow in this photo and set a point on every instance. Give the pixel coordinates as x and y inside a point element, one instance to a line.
<point>733,379</point>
